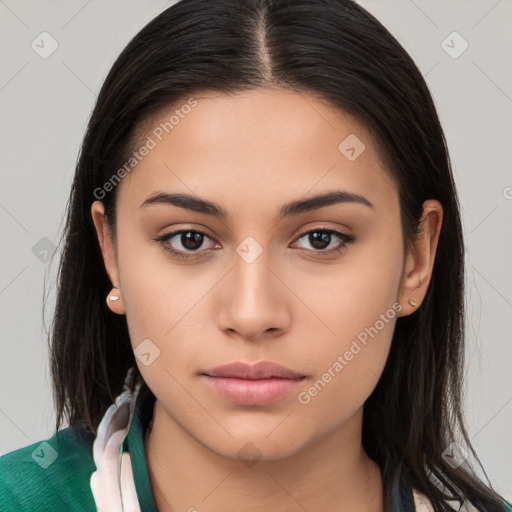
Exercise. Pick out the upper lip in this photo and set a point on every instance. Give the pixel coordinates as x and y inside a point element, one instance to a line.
<point>260,370</point>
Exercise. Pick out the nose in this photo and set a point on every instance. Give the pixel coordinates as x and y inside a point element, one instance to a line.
<point>254,301</point>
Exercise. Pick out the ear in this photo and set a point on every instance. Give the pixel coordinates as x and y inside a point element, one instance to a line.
<point>108,251</point>
<point>419,260</point>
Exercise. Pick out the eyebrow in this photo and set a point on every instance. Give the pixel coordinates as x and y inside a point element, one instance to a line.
<point>196,204</point>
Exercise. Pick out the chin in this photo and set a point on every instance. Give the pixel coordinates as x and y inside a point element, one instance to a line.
<point>253,448</point>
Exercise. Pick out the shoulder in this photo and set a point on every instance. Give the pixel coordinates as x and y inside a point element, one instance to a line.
<point>423,504</point>
<point>52,474</point>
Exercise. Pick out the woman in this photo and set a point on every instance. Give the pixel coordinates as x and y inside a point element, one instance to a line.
<point>265,200</point>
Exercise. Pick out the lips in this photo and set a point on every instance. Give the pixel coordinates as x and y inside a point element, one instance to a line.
<point>262,383</point>
<point>261,370</point>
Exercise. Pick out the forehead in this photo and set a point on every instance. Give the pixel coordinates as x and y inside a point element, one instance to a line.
<point>260,144</point>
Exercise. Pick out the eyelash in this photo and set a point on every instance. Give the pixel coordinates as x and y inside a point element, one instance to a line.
<point>345,241</point>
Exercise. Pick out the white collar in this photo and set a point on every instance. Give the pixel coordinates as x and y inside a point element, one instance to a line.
<point>112,484</point>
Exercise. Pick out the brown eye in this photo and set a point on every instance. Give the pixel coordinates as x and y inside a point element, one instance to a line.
<point>184,243</point>
<point>191,240</point>
<point>321,239</point>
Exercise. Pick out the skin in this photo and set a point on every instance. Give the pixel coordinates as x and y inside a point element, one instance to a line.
<point>251,153</point>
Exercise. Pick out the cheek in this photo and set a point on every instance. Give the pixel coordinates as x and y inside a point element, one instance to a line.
<point>346,370</point>
<point>166,316</point>
<point>153,293</point>
<point>356,310</point>
<point>348,296</point>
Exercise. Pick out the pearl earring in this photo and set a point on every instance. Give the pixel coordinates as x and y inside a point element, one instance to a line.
<point>112,298</point>
<point>412,301</point>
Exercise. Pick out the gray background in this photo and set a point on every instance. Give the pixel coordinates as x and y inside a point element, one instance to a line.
<point>44,107</point>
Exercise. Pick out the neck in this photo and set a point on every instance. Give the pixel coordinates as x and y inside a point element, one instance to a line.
<point>334,475</point>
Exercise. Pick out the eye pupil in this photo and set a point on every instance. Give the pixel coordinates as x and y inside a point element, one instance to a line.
<point>318,239</point>
<point>191,240</point>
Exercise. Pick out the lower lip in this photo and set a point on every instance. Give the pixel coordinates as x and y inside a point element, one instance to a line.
<point>252,392</point>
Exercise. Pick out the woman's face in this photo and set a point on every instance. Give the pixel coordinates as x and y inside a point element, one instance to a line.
<point>263,281</point>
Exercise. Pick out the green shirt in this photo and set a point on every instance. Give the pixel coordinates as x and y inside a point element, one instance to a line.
<point>54,475</point>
